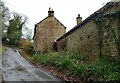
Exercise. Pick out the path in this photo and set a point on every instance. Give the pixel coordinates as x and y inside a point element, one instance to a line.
<point>16,68</point>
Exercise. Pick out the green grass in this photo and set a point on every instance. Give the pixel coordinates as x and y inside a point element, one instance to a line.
<point>2,49</point>
<point>79,65</point>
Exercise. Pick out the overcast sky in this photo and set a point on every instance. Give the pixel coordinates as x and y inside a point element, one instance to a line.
<point>66,11</point>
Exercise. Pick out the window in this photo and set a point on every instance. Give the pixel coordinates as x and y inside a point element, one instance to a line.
<point>80,38</point>
<point>88,36</point>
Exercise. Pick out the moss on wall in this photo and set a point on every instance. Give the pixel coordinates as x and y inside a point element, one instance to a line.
<point>108,33</point>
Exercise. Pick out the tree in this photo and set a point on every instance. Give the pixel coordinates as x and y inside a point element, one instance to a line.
<point>27,33</point>
<point>5,17</point>
<point>5,12</point>
<point>14,31</point>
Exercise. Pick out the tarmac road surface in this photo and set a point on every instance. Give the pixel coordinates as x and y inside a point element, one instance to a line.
<point>16,68</point>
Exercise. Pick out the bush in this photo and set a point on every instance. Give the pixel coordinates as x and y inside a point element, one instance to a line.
<point>10,41</point>
<point>103,70</point>
<point>64,63</point>
<point>79,69</point>
<point>75,65</point>
<point>28,47</point>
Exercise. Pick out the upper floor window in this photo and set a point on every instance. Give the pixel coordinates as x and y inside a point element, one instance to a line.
<point>88,36</point>
<point>80,38</point>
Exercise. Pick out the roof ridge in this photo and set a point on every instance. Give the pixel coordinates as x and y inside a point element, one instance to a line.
<point>88,18</point>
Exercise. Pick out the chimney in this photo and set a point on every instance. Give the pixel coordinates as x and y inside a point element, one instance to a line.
<point>51,12</point>
<point>78,19</point>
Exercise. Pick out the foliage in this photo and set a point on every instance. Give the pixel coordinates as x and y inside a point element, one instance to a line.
<point>27,33</point>
<point>14,31</point>
<point>74,64</point>
<point>5,11</point>
<point>5,17</point>
<point>27,47</point>
<point>107,33</point>
<point>2,50</point>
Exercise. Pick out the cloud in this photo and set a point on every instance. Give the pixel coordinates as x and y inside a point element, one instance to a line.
<point>115,0</point>
<point>66,11</point>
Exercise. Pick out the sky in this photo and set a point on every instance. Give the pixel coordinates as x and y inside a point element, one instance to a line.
<point>65,11</point>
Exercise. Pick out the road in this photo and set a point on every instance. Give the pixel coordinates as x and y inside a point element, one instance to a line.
<point>16,68</point>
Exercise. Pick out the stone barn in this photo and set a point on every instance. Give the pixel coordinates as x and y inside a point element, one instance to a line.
<point>46,32</point>
<point>98,35</point>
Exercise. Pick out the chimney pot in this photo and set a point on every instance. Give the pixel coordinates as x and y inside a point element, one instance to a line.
<point>49,8</point>
<point>78,19</point>
<point>50,12</point>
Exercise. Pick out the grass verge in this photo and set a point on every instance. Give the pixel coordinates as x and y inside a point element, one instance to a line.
<point>2,50</point>
<point>77,66</point>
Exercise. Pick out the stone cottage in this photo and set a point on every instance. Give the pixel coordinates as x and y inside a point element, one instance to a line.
<point>97,35</point>
<point>46,32</point>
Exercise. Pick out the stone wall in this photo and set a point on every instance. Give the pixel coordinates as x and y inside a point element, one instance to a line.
<point>47,32</point>
<point>109,34</point>
<point>84,40</point>
<point>108,23</point>
<point>99,36</point>
<point>61,45</point>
